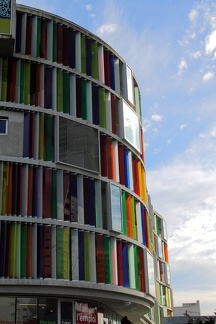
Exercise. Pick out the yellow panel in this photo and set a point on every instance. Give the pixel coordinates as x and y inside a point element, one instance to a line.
<point>4,26</point>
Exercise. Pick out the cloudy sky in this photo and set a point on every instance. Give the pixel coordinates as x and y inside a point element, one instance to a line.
<point>171,47</point>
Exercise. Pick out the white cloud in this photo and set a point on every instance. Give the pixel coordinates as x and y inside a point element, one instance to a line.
<point>182,65</point>
<point>208,76</point>
<point>211,42</point>
<point>88,7</point>
<point>193,15</point>
<point>156,118</point>
<point>196,54</point>
<point>183,126</point>
<point>107,29</point>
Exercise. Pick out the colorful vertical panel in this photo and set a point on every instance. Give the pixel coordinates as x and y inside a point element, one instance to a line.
<point>120,264</point>
<point>107,260</point>
<point>125,264</point>
<point>100,258</point>
<point>47,193</point>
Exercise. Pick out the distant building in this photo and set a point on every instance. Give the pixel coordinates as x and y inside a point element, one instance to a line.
<point>190,309</point>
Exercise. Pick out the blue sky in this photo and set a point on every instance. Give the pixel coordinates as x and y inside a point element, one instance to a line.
<point>171,47</point>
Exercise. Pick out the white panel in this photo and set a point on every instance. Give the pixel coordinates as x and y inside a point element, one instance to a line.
<point>130,170</point>
<point>73,95</point>
<point>74,254</point>
<point>80,199</point>
<point>108,112</point>
<point>34,36</point>
<point>117,75</point>
<point>92,258</point>
<point>53,252</point>
<point>130,86</point>
<point>101,64</point>
<point>150,274</point>
<point>131,266</point>
<point>113,247</point>
<point>60,196</point>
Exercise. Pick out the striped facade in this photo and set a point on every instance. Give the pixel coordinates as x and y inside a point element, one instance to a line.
<point>76,233</point>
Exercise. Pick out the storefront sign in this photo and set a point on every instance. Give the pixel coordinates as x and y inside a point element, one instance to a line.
<point>85,314</point>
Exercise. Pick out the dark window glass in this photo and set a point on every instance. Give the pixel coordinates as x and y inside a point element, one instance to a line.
<point>26,310</point>
<point>78,145</point>
<point>48,310</point>
<point>7,310</point>
<point>3,125</point>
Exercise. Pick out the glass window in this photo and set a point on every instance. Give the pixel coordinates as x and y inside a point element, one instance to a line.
<point>47,310</point>
<point>151,275</point>
<point>66,312</point>
<point>3,126</point>
<point>26,310</point>
<point>78,145</point>
<point>131,126</point>
<point>7,310</point>
<point>116,209</point>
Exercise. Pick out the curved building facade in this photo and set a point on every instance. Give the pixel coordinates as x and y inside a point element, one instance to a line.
<point>76,239</point>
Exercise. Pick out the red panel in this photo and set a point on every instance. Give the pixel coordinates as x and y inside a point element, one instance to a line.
<point>66,185</point>
<point>47,193</point>
<point>47,248</point>
<point>100,258</point>
<point>141,270</point>
<point>111,159</point>
<point>120,263</point>
<point>114,112</point>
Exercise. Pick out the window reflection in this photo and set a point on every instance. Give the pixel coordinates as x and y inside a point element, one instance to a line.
<point>26,310</point>
<point>78,145</point>
<point>116,208</point>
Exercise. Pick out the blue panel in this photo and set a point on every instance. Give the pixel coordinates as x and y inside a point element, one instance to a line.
<point>72,62</point>
<point>18,32</point>
<point>73,198</point>
<point>112,72</point>
<point>88,56</point>
<point>127,169</point>
<point>3,248</point>
<point>143,219</point>
<point>95,104</point>
<point>125,265</point>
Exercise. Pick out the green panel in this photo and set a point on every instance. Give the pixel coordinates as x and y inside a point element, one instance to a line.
<point>66,248</point>
<point>5,25</point>
<point>23,250</point>
<point>55,42</point>
<point>54,194</point>
<point>60,253</point>
<point>83,54</point>
<point>95,70</point>
<point>136,267</point>
<point>134,227</point>
<point>4,79</point>
<point>107,261</point>
<point>124,213</point>
<point>27,99</point>
<point>22,82</point>
<point>49,137</point>
<point>102,107</point>
<point>38,46</point>
<point>60,90</point>
<point>84,100</point>
<point>87,256</point>
<point>66,93</point>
